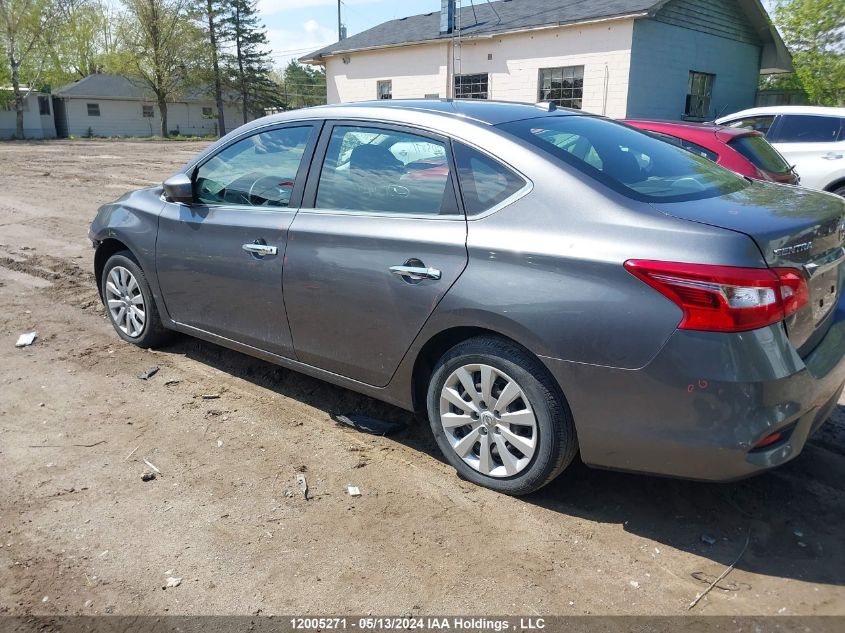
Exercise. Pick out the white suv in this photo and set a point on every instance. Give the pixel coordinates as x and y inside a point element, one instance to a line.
<point>810,138</point>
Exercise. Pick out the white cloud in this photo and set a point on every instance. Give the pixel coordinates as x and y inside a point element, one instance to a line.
<point>312,26</point>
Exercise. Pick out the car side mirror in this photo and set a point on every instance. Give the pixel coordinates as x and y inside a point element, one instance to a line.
<point>179,188</point>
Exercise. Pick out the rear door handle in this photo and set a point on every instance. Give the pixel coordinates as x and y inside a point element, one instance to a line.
<point>834,156</point>
<point>414,273</point>
<point>262,250</point>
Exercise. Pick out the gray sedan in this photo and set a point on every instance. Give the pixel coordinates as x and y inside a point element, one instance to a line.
<point>539,282</point>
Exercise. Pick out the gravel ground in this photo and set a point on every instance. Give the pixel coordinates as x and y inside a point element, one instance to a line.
<point>81,533</point>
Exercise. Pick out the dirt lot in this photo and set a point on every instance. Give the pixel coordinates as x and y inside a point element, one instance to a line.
<point>81,533</point>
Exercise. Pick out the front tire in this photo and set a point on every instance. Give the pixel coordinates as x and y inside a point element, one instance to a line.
<point>498,418</point>
<point>129,303</point>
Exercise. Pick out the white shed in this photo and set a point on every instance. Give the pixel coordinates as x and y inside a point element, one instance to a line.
<point>37,114</point>
<point>113,105</point>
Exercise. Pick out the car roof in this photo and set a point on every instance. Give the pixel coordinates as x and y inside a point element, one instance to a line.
<point>477,110</point>
<point>775,110</point>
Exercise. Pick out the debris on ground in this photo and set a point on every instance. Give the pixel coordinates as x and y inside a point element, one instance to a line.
<point>149,373</point>
<point>219,443</point>
<point>126,459</point>
<point>210,396</point>
<point>634,584</point>
<point>171,383</point>
<point>303,484</point>
<point>709,540</point>
<point>353,491</point>
<point>152,466</point>
<point>148,475</point>
<point>721,577</point>
<point>172,582</point>
<point>89,604</point>
<point>369,425</point>
<point>25,340</point>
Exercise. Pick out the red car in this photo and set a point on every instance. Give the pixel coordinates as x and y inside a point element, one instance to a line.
<point>741,150</point>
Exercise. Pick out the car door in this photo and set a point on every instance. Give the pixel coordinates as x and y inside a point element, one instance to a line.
<point>378,243</point>
<point>814,144</point>
<point>220,259</point>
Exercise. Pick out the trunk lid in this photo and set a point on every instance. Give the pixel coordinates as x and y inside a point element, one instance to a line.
<point>793,228</point>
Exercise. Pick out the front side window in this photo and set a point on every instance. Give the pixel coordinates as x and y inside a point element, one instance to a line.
<point>626,160</point>
<point>147,111</point>
<point>376,170</point>
<point>810,129</point>
<point>757,123</point>
<point>44,106</point>
<point>562,86</point>
<point>93,109</point>
<point>699,94</point>
<point>472,86</point>
<point>385,89</point>
<point>258,171</point>
<point>485,182</point>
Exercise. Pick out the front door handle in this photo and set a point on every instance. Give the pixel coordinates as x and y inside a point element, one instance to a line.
<point>414,273</point>
<point>834,156</point>
<point>261,250</point>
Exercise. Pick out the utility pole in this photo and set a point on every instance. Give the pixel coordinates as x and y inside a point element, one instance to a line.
<point>339,24</point>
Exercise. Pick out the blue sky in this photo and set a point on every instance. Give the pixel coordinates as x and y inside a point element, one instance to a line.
<point>297,27</point>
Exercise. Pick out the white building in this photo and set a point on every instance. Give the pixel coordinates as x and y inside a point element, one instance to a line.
<point>112,105</point>
<point>675,59</point>
<point>37,115</point>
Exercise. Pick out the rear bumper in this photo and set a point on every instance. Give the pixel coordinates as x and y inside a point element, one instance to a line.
<point>700,406</point>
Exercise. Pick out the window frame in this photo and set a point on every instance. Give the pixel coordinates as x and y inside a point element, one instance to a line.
<point>709,95</point>
<point>540,88</point>
<point>527,188</point>
<point>44,99</point>
<point>88,108</point>
<point>209,113</point>
<point>464,75</point>
<point>148,108</point>
<point>318,161</point>
<point>389,93</point>
<point>301,174</point>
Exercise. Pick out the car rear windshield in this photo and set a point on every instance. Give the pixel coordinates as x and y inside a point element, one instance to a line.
<point>629,161</point>
<point>761,154</point>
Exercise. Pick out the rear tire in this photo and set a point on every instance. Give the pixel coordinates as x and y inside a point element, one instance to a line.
<point>498,418</point>
<point>129,303</point>
<point>839,191</point>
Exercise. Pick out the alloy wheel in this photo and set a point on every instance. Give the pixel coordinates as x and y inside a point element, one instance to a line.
<point>125,302</point>
<point>488,420</point>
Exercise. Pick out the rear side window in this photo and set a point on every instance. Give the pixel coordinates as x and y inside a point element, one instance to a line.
<point>809,129</point>
<point>687,145</point>
<point>629,161</point>
<point>762,155</point>
<point>756,123</point>
<point>384,171</point>
<point>485,182</point>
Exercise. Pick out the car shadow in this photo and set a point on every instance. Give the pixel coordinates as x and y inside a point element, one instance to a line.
<point>794,514</point>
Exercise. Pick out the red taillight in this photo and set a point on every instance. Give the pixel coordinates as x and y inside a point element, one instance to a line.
<point>774,438</point>
<point>725,298</point>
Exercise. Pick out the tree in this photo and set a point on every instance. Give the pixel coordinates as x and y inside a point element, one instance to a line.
<point>24,28</point>
<point>303,86</point>
<point>813,31</point>
<point>163,43</point>
<point>213,14</point>
<point>250,58</point>
<point>80,40</point>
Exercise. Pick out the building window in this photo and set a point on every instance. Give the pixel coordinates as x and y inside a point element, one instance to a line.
<point>93,109</point>
<point>699,94</point>
<point>472,86</point>
<point>147,111</point>
<point>44,106</point>
<point>562,86</point>
<point>385,89</point>
<point>206,111</point>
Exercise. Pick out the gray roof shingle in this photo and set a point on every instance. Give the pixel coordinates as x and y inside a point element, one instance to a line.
<point>121,87</point>
<point>495,17</point>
